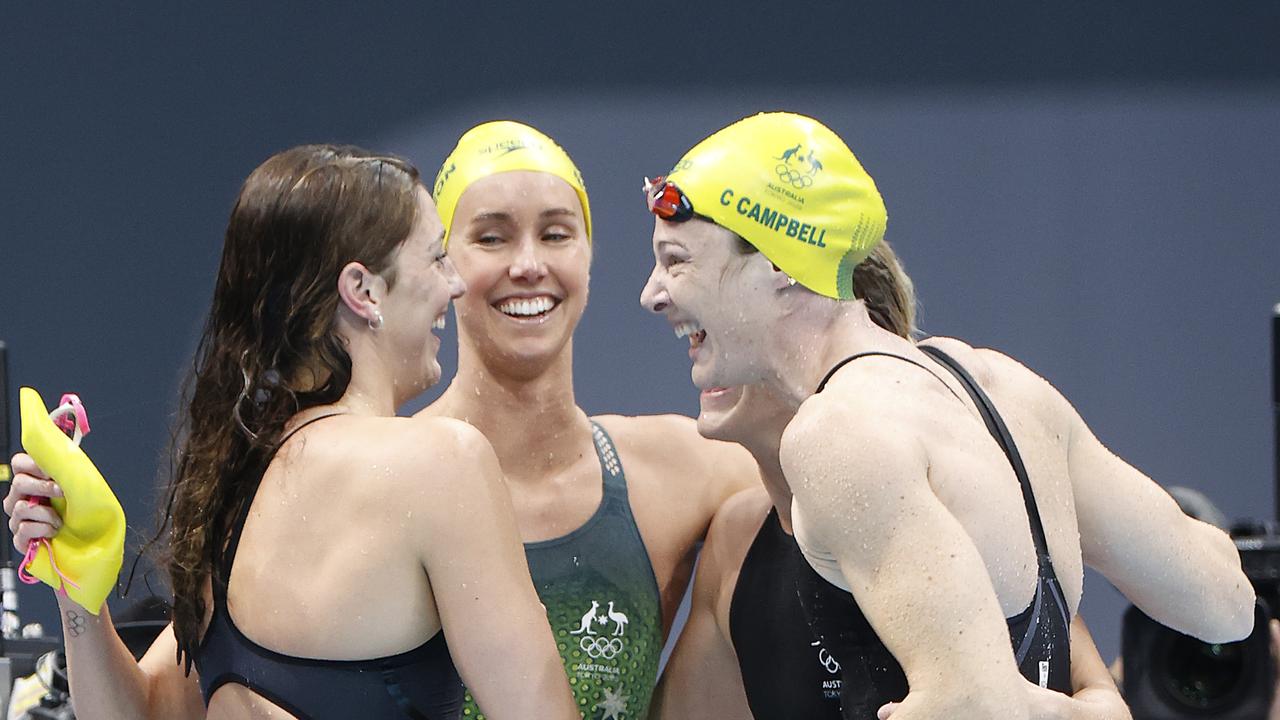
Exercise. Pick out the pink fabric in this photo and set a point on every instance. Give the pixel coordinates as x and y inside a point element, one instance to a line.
<point>32,548</point>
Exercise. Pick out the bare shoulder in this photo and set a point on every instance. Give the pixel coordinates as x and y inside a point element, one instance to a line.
<point>1003,375</point>
<point>729,538</point>
<point>673,441</point>
<point>850,448</point>
<point>735,525</point>
<point>424,451</point>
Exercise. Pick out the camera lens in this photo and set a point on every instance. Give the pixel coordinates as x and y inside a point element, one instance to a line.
<point>1201,676</point>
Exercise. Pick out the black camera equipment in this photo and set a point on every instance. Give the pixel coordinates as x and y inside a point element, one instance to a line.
<point>19,648</point>
<point>1171,676</point>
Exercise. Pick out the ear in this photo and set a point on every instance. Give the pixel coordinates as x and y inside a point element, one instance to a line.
<point>778,279</point>
<point>361,290</point>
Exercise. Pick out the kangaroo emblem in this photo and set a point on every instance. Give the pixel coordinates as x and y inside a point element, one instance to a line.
<point>814,163</point>
<point>620,620</point>
<point>789,153</point>
<point>586,620</point>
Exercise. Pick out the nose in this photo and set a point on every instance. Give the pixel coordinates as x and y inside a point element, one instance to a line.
<point>528,263</point>
<point>457,286</point>
<point>654,295</point>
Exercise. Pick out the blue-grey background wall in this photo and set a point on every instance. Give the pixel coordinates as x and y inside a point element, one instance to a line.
<point>1090,188</point>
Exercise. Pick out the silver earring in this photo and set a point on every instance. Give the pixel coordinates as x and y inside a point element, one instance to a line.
<point>375,322</point>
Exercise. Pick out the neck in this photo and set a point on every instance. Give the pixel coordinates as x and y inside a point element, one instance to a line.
<point>529,416</point>
<point>805,347</point>
<point>372,389</point>
<point>764,442</point>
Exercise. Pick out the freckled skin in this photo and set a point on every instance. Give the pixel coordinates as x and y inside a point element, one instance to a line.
<point>915,465</point>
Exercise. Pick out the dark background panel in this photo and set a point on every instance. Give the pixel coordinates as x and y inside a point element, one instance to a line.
<point>1090,187</point>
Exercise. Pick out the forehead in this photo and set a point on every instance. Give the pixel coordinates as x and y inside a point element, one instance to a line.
<point>428,220</point>
<point>516,191</point>
<point>694,235</point>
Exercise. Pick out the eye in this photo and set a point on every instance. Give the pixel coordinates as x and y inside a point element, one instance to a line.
<point>488,240</point>
<point>673,260</point>
<point>557,233</point>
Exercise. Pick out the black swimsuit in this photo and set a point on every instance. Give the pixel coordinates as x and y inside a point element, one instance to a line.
<point>421,684</point>
<point>872,677</point>
<point>785,672</point>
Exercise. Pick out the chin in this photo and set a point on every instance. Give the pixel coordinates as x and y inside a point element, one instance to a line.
<point>711,427</point>
<point>533,350</point>
<point>433,374</point>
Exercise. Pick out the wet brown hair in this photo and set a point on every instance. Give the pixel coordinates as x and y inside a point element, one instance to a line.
<point>882,284</point>
<point>269,347</point>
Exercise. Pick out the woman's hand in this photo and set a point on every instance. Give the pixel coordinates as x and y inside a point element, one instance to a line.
<point>1050,705</point>
<point>29,518</point>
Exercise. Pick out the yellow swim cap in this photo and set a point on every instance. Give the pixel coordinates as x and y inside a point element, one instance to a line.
<point>789,186</point>
<point>502,146</point>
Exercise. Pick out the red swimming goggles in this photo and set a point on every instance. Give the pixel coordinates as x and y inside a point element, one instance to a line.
<point>666,200</point>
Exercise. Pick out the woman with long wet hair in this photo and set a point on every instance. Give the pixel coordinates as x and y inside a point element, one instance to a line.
<point>319,547</point>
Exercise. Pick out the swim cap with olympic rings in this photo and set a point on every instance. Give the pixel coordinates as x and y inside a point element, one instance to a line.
<point>791,187</point>
<point>502,146</point>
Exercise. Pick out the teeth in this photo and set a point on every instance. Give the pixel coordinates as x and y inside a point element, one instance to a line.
<point>527,307</point>
<point>686,328</point>
<point>439,323</point>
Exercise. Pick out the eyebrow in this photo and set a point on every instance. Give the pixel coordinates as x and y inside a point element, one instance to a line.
<point>491,215</point>
<point>557,212</point>
<point>501,216</point>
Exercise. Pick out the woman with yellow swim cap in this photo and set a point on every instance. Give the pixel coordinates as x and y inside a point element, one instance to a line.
<point>611,508</point>
<point>747,649</point>
<point>320,547</point>
<point>937,530</point>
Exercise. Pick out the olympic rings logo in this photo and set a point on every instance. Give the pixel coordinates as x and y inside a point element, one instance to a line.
<point>797,180</point>
<point>598,647</point>
<point>831,664</point>
<point>824,658</point>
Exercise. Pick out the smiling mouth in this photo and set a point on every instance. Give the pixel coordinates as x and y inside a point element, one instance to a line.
<point>439,324</point>
<point>535,308</point>
<point>693,331</point>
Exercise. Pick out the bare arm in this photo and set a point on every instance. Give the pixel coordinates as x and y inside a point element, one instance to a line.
<point>106,682</point>
<point>1182,572</point>
<point>1094,693</point>
<point>702,676</point>
<point>496,627</point>
<point>914,571</point>
<point>1096,696</point>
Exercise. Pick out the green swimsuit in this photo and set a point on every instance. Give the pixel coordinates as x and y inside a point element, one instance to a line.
<point>602,602</point>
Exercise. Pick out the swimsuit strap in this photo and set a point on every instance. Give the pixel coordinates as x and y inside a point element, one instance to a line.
<point>999,431</point>
<point>827,378</point>
<point>242,515</point>
<point>610,465</point>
